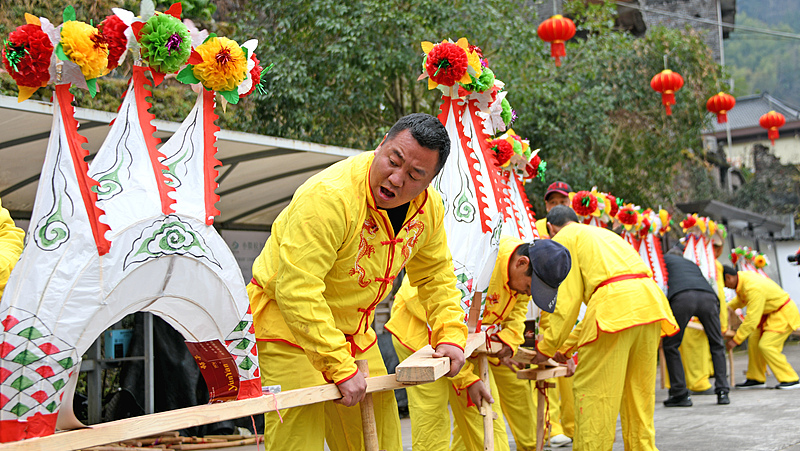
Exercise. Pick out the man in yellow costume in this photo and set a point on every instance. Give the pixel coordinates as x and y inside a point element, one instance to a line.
<point>521,269</point>
<point>331,258</point>
<point>11,243</point>
<point>557,194</point>
<point>617,341</point>
<point>771,316</point>
<point>560,403</point>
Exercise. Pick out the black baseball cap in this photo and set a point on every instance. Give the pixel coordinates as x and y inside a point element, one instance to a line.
<point>558,187</point>
<point>551,263</point>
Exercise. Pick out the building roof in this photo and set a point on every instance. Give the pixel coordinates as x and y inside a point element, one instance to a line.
<point>258,176</point>
<point>720,211</point>
<point>743,118</point>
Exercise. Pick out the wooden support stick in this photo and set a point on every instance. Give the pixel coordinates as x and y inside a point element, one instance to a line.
<point>474,313</point>
<point>539,374</point>
<point>131,428</point>
<point>731,372</point>
<point>486,408</point>
<point>541,401</point>
<point>526,356</point>
<point>225,444</point>
<point>368,425</point>
<point>421,367</point>
<point>662,364</point>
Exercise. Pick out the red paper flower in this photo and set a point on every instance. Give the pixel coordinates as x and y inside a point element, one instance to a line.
<point>584,203</point>
<point>113,30</point>
<point>689,222</point>
<point>502,149</point>
<point>628,215</point>
<point>614,205</point>
<point>26,56</point>
<point>645,227</point>
<point>446,64</point>
<point>532,168</point>
<point>255,76</point>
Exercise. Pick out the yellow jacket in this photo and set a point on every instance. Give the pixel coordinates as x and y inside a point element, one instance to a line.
<point>723,304</point>
<point>332,257</point>
<point>768,306</point>
<point>11,243</point>
<point>597,256</point>
<point>541,226</point>
<point>503,306</point>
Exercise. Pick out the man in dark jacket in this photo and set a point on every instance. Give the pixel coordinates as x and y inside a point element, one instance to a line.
<point>691,295</point>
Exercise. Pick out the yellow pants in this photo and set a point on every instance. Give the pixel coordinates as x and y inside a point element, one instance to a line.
<point>696,357</point>
<point>767,349</point>
<point>616,375</point>
<point>561,406</point>
<point>302,427</point>
<point>517,404</point>
<point>430,419</point>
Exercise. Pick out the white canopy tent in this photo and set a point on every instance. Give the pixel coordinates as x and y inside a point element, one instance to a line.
<point>258,177</point>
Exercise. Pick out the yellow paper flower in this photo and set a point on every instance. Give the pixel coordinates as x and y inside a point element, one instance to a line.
<point>712,227</point>
<point>224,64</point>
<point>86,47</point>
<point>473,59</point>
<point>760,261</point>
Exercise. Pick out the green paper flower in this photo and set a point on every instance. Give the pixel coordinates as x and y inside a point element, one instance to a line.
<point>506,114</point>
<point>165,43</point>
<point>482,83</point>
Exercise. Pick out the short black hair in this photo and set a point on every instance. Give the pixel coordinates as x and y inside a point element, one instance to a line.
<point>428,131</point>
<point>560,215</point>
<point>522,251</point>
<point>729,271</point>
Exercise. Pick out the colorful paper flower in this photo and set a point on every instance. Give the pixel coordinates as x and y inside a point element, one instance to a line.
<point>26,56</point>
<point>666,220</point>
<point>224,64</point>
<point>760,261</point>
<point>613,206</point>
<point>689,222</point>
<point>482,83</point>
<point>448,63</point>
<point>254,75</point>
<point>584,203</point>
<point>628,216</point>
<point>503,150</point>
<point>507,114</point>
<point>85,46</point>
<point>113,30</point>
<point>166,43</point>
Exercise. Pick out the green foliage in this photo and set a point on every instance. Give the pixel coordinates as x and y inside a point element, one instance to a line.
<point>761,63</point>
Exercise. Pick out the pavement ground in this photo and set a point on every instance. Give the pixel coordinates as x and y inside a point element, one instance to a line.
<point>756,420</point>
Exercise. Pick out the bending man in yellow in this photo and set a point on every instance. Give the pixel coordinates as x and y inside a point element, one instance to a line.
<point>617,341</point>
<point>771,316</point>
<point>11,243</point>
<point>517,272</point>
<point>331,258</point>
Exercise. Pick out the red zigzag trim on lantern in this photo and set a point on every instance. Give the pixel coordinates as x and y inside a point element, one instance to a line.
<point>526,203</point>
<point>505,179</point>
<point>140,90</point>
<point>501,198</point>
<point>75,142</point>
<point>446,107</point>
<point>210,162</point>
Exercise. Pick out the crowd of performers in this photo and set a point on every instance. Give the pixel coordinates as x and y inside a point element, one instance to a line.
<point>334,254</point>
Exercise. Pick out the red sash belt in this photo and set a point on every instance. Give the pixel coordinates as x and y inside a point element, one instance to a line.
<point>618,279</point>
<point>764,317</point>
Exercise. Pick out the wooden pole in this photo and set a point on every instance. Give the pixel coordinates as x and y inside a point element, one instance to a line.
<point>474,313</point>
<point>368,413</point>
<point>541,401</point>
<point>486,408</point>
<point>662,364</point>
<point>731,373</point>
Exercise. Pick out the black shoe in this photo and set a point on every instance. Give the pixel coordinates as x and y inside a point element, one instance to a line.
<point>750,383</point>
<point>678,401</point>
<point>788,385</point>
<point>722,398</point>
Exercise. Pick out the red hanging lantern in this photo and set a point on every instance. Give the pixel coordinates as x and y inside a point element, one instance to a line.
<point>557,30</point>
<point>772,121</point>
<point>667,82</point>
<point>720,104</point>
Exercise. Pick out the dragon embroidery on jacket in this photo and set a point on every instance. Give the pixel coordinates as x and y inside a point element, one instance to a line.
<point>413,231</point>
<point>365,250</point>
